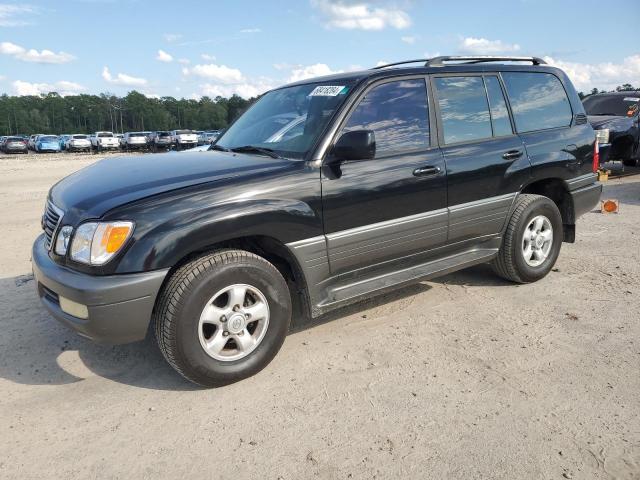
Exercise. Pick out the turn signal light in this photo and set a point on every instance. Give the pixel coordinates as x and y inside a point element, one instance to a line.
<point>114,237</point>
<point>609,206</point>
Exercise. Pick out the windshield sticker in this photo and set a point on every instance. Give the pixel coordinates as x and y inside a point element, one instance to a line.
<point>328,91</point>
<point>632,99</point>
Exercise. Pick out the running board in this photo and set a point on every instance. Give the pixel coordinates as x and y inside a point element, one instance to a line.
<point>355,290</point>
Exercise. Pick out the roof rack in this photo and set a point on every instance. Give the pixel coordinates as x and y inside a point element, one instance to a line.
<point>440,61</point>
<point>418,60</point>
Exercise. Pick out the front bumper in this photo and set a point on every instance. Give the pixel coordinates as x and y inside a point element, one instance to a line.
<point>119,306</point>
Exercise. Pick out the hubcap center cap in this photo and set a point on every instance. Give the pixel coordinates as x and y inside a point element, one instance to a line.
<point>236,323</point>
<point>539,241</point>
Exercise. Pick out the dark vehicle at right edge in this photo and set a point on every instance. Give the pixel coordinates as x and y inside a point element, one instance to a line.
<point>325,192</point>
<point>615,118</point>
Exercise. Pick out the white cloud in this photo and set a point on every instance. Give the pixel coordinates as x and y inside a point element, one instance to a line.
<point>184,61</point>
<point>208,58</point>
<point>251,30</point>
<point>172,37</point>
<point>311,71</point>
<point>361,15</point>
<point>12,15</point>
<point>123,79</point>
<point>482,46</point>
<point>411,39</point>
<point>606,75</point>
<point>219,73</point>
<point>164,57</point>
<point>31,55</point>
<point>62,87</point>
<point>245,89</point>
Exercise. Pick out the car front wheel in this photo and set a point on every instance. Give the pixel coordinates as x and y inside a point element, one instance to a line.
<point>222,317</point>
<point>532,240</point>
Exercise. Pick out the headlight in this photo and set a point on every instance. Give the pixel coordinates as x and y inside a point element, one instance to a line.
<point>602,136</point>
<point>62,240</point>
<point>95,243</point>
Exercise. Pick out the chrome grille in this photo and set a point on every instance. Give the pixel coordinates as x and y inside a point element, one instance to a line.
<point>50,222</point>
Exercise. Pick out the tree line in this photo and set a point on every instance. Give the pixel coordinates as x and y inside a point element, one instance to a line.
<point>625,87</point>
<point>55,114</point>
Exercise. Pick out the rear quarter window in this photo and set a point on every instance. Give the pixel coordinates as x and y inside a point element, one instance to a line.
<point>538,101</point>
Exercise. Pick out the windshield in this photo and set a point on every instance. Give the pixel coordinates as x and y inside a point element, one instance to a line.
<point>48,138</point>
<point>105,135</point>
<point>288,120</point>
<point>79,137</point>
<point>183,132</point>
<point>136,135</point>
<point>619,105</point>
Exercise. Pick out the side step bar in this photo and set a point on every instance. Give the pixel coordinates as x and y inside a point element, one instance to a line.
<point>350,292</point>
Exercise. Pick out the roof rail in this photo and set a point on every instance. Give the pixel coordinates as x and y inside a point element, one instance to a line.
<point>440,61</point>
<point>419,60</point>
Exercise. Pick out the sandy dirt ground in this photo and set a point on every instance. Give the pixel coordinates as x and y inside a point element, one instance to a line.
<point>463,377</point>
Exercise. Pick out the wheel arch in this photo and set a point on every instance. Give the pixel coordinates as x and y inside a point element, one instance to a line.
<point>555,189</point>
<point>276,253</point>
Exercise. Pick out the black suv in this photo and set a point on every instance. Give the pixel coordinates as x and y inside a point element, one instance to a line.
<point>616,119</point>
<point>324,192</point>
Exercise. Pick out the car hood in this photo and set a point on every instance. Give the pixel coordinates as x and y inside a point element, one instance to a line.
<point>610,121</point>
<point>112,182</point>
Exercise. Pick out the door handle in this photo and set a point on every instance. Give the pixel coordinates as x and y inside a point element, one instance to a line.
<point>512,154</point>
<point>426,171</point>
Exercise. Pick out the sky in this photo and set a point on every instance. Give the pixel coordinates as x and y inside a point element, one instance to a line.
<point>223,47</point>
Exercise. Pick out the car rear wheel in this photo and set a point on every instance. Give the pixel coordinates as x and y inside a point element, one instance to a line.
<point>532,240</point>
<point>222,317</point>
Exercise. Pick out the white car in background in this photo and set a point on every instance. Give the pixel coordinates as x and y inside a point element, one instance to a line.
<point>31,144</point>
<point>78,143</point>
<point>104,141</point>
<point>184,139</point>
<point>135,141</point>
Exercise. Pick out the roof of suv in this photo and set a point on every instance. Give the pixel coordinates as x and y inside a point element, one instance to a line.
<point>437,65</point>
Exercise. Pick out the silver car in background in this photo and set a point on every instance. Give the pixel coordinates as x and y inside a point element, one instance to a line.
<point>135,141</point>
<point>78,143</point>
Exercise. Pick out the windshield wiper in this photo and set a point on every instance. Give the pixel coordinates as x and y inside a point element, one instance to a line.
<point>218,147</point>
<point>254,149</point>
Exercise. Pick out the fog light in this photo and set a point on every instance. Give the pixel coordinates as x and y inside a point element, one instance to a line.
<point>72,308</point>
<point>609,206</point>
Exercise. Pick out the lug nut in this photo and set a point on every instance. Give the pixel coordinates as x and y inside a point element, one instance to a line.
<point>241,333</point>
<point>236,308</point>
<point>223,319</point>
<point>225,334</point>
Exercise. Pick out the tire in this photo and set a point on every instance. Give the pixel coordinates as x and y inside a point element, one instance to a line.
<point>511,262</point>
<point>178,146</point>
<point>190,291</point>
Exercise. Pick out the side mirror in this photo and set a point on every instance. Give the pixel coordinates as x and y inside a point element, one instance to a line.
<point>355,145</point>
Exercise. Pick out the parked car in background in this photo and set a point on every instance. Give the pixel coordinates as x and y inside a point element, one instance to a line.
<point>120,137</point>
<point>47,143</point>
<point>135,141</point>
<point>182,139</point>
<point>78,143</point>
<point>207,138</point>
<point>104,141</point>
<point>13,145</point>
<point>616,120</point>
<point>160,140</point>
<point>401,173</point>
<point>62,139</point>
<point>31,144</point>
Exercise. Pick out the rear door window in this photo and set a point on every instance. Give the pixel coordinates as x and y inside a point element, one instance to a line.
<point>464,109</point>
<point>538,101</point>
<point>498,106</point>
